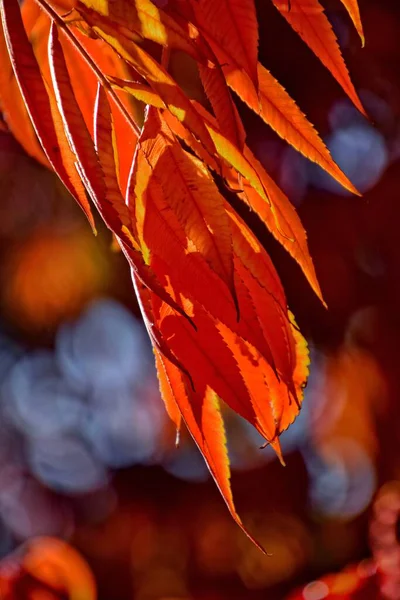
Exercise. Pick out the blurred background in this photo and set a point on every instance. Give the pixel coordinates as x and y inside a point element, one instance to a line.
<point>87,453</point>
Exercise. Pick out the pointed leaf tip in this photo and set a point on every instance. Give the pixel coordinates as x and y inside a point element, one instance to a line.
<point>276,446</point>
<point>308,19</point>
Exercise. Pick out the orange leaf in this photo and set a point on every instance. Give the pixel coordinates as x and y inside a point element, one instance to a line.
<point>188,276</point>
<point>202,416</point>
<point>284,223</point>
<point>274,105</point>
<point>36,99</point>
<point>140,91</point>
<point>308,19</point>
<point>147,20</point>
<point>267,200</point>
<point>159,79</point>
<point>46,568</point>
<point>13,108</point>
<point>113,209</point>
<point>164,380</point>
<point>74,124</point>
<point>271,101</point>
<point>233,25</point>
<point>190,192</point>
<point>110,64</point>
<point>267,298</point>
<point>354,12</point>
<point>223,106</point>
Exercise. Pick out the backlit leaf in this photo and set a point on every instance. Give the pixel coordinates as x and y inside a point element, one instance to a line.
<point>354,12</point>
<point>160,80</point>
<point>190,192</point>
<point>74,124</point>
<point>147,20</point>
<point>36,99</point>
<point>232,24</point>
<point>308,19</point>
<point>13,107</point>
<point>223,106</point>
<point>274,105</point>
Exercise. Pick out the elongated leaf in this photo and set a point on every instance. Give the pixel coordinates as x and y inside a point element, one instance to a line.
<point>354,12</point>
<point>74,124</point>
<point>190,192</point>
<point>13,107</point>
<point>186,275</point>
<point>109,63</point>
<point>308,19</point>
<point>114,210</point>
<point>190,279</point>
<point>270,203</point>
<point>160,80</point>
<point>138,90</point>
<point>284,223</point>
<point>274,105</point>
<point>233,25</point>
<point>267,297</point>
<point>284,116</point>
<point>166,389</point>
<point>270,101</point>
<point>203,419</point>
<point>221,101</point>
<point>147,20</point>
<point>36,99</point>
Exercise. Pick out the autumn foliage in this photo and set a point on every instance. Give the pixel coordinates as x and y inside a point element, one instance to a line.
<point>86,88</point>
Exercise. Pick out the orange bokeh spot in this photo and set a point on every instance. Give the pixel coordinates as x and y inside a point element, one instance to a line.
<point>51,276</point>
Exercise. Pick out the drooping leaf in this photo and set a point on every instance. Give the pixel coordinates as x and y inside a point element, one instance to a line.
<point>189,191</point>
<point>202,416</point>
<point>147,20</point>
<point>233,25</point>
<point>274,105</point>
<point>308,19</point>
<point>164,379</point>
<point>202,351</point>
<point>212,302</point>
<point>284,224</point>
<point>114,210</point>
<point>267,200</point>
<point>138,90</point>
<point>222,103</point>
<point>271,102</point>
<point>109,64</point>
<point>36,99</point>
<point>354,12</point>
<point>159,79</point>
<point>13,107</point>
<point>74,124</point>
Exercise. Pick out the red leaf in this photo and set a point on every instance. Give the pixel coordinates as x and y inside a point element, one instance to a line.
<point>74,124</point>
<point>36,99</point>
<point>13,107</point>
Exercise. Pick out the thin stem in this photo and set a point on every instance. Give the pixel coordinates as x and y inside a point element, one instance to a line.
<point>101,78</point>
